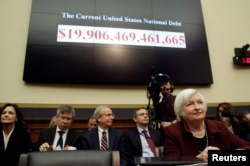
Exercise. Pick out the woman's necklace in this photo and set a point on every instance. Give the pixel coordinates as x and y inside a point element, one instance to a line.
<point>202,143</point>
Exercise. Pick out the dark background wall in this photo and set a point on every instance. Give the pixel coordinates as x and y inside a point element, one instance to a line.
<point>81,112</point>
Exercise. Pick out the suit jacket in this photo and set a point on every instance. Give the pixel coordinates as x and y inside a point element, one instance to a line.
<point>134,141</point>
<point>179,140</point>
<point>48,135</point>
<point>116,140</point>
<point>19,142</point>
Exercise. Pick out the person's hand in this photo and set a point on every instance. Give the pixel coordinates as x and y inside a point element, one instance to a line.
<point>44,147</point>
<point>165,124</point>
<point>175,121</point>
<point>204,154</point>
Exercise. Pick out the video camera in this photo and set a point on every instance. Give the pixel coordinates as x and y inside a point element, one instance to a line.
<point>154,86</point>
<point>153,92</point>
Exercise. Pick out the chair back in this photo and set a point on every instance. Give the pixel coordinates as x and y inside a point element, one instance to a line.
<point>71,158</point>
<point>159,151</point>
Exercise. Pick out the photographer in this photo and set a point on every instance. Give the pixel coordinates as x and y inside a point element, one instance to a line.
<point>164,110</point>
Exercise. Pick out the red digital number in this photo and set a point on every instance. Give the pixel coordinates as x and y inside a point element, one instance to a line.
<point>124,37</point>
<point>132,36</point>
<point>78,33</point>
<point>90,33</point>
<point>105,35</point>
<point>181,40</point>
<point>117,36</point>
<point>61,33</point>
<point>144,38</point>
<point>245,60</point>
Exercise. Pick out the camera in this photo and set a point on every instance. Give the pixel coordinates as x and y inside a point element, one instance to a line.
<point>154,86</point>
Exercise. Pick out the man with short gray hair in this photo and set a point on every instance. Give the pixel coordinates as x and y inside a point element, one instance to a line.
<point>103,137</point>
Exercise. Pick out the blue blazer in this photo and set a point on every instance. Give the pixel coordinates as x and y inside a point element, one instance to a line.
<point>117,141</point>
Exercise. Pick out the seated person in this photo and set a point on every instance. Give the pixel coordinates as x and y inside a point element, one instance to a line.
<point>244,117</point>
<point>138,141</point>
<point>60,136</point>
<point>104,137</point>
<point>52,122</point>
<point>232,123</point>
<point>14,136</point>
<point>193,134</point>
<point>92,123</point>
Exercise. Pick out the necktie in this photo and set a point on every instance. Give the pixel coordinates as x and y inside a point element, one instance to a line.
<point>104,142</point>
<point>150,141</point>
<point>60,140</point>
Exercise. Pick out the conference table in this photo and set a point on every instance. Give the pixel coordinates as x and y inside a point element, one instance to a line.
<point>151,161</point>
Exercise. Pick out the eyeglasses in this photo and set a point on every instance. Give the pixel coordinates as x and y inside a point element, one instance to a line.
<point>142,114</point>
<point>109,115</point>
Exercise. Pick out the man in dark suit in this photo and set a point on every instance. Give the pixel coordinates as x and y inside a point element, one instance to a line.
<point>51,138</point>
<point>138,141</point>
<point>92,123</point>
<point>103,137</point>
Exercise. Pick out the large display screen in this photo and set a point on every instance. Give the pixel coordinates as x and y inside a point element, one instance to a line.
<point>116,42</point>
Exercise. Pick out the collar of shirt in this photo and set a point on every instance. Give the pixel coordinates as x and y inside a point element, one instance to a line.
<point>101,130</point>
<point>140,130</point>
<point>7,138</point>
<point>66,131</point>
<point>57,137</point>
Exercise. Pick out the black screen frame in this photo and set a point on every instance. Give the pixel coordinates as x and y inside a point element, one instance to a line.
<point>48,61</point>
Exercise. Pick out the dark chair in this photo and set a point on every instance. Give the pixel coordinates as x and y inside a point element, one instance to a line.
<point>71,158</point>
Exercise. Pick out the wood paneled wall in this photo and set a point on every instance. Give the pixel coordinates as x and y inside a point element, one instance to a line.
<point>80,125</point>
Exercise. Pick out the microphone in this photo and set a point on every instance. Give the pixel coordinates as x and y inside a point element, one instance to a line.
<point>228,114</point>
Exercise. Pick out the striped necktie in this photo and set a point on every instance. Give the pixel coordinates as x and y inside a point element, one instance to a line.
<point>104,142</point>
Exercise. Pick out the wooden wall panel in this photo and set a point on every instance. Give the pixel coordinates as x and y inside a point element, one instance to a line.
<point>80,125</point>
